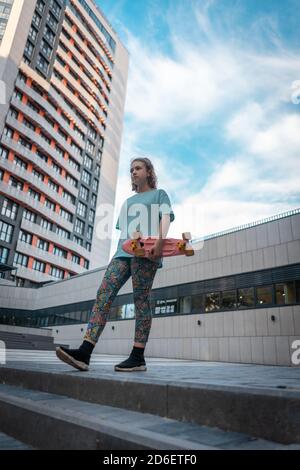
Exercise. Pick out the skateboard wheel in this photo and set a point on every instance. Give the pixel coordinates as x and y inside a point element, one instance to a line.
<point>187,236</point>
<point>137,235</point>
<point>133,245</point>
<point>189,252</point>
<point>181,246</point>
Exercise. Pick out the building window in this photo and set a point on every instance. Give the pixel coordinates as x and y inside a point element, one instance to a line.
<point>89,232</point>
<point>25,237</point>
<point>52,21</point>
<point>59,273</point>
<point>42,63</point>
<point>36,19</point>
<point>40,6</point>
<point>33,33</point>
<point>38,175</point>
<point>59,252</point>
<point>13,113</point>
<point>79,227</point>
<point>50,205</point>
<point>94,200</point>
<point>20,259</point>
<point>264,295</point>
<point>72,181</point>
<point>75,259</point>
<point>81,209</point>
<point>212,301</point>
<point>69,197</point>
<point>88,246</point>
<point>90,147</point>
<point>6,232</point>
<point>53,186</point>
<point>9,209</point>
<point>97,170</point>
<point>15,183</point>
<point>56,168</point>
<point>88,162</point>
<point>25,143</point>
<point>78,240</point>
<point>33,106</point>
<point>34,194</point>
<point>4,252</point>
<point>66,215</point>
<point>62,233</point>
<point>46,224</point>
<point>92,216</point>
<point>246,297</point>
<point>228,300</point>
<point>49,35</point>
<point>55,7</point>
<point>46,49</point>
<point>197,303</point>
<point>86,264</point>
<point>39,266</point>
<point>8,132</point>
<point>43,245</point>
<point>95,185</point>
<point>84,193</point>
<point>86,177</point>
<point>28,48</point>
<point>28,215</point>
<point>74,164</point>
<point>285,293</point>
<point>3,152</point>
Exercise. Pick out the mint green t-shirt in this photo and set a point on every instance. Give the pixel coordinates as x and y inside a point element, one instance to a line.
<point>142,212</point>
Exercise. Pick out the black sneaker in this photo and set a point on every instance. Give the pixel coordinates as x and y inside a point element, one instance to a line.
<point>131,364</point>
<point>73,357</point>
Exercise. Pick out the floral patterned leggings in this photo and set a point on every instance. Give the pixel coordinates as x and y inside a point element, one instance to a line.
<point>117,273</point>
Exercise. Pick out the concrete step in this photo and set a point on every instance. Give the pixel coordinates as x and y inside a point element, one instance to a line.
<point>52,421</point>
<point>10,443</point>
<point>266,413</point>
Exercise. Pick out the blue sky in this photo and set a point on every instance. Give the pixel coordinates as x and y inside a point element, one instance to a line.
<point>209,100</point>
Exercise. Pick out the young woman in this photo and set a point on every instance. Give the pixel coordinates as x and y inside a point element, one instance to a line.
<point>154,216</point>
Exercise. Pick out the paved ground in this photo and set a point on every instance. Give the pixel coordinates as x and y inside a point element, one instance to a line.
<point>221,374</point>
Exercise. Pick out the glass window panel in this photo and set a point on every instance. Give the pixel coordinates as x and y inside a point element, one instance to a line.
<point>228,300</point>
<point>285,293</point>
<point>246,297</point>
<point>197,303</point>
<point>264,295</point>
<point>212,301</point>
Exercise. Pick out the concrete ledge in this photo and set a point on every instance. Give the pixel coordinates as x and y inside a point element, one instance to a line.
<point>272,414</point>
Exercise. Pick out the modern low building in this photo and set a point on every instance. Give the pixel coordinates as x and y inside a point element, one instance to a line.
<point>236,300</point>
<point>64,73</point>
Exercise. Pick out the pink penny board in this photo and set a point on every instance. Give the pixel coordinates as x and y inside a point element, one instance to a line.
<point>171,247</point>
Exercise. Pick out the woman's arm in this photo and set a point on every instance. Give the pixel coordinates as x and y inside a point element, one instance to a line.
<point>163,230</point>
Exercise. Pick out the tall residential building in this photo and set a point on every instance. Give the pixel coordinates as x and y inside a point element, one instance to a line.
<point>63,73</point>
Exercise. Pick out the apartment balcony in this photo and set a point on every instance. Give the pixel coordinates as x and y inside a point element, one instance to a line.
<point>54,95</point>
<point>37,161</point>
<point>81,59</point>
<point>89,37</point>
<point>85,77</point>
<point>41,232</point>
<point>37,139</point>
<point>50,110</point>
<point>78,87</point>
<point>32,204</point>
<point>50,258</point>
<point>44,125</point>
<point>37,184</point>
<point>86,112</point>
<point>32,275</point>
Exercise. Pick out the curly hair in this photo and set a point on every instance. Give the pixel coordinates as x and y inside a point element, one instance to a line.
<point>152,178</point>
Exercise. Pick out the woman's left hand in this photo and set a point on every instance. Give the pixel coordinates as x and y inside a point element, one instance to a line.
<point>156,251</point>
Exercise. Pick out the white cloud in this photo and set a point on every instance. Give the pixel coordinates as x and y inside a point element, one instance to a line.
<point>211,80</point>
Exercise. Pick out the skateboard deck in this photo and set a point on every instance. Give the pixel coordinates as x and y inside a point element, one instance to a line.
<point>139,246</point>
